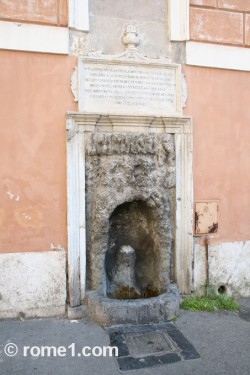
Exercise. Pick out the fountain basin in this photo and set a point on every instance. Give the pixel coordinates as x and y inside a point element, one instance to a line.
<point>109,312</point>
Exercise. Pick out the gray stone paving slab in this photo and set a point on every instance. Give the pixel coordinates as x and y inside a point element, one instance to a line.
<point>245,302</point>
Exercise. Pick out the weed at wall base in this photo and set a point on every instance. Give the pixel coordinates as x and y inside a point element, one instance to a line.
<point>213,303</point>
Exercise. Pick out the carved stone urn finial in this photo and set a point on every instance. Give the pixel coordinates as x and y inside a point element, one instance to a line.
<point>130,38</point>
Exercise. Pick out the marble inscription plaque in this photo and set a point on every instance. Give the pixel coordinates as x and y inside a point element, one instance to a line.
<point>131,89</point>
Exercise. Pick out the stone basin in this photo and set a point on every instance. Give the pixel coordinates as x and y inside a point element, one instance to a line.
<point>158,309</point>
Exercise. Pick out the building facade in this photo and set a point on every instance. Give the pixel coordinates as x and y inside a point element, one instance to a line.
<point>41,44</point>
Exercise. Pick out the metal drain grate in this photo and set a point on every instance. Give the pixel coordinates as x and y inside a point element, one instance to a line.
<point>149,345</point>
<point>146,343</point>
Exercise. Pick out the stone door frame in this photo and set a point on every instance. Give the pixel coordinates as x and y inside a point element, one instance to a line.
<point>77,124</point>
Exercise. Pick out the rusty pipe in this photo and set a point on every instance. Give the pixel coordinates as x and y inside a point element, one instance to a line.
<point>206,241</point>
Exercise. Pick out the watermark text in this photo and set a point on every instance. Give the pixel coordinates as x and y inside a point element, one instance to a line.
<point>71,350</point>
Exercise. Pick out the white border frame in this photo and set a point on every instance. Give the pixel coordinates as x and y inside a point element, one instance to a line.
<point>20,36</point>
<point>179,20</point>
<point>79,14</point>
<point>79,123</point>
<point>218,56</point>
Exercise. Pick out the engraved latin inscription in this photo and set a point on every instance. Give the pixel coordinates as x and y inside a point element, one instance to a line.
<point>138,87</point>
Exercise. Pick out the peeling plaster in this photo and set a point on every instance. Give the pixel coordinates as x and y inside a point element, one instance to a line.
<point>58,247</point>
<point>26,217</point>
<point>229,265</point>
<point>12,195</point>
<point>27,290</point>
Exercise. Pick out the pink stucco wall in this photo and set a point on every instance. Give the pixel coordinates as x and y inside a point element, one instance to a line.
<point>218,101</point>
<point>35,95</point>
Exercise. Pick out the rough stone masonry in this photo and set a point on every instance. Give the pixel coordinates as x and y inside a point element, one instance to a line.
<point>130,195</point>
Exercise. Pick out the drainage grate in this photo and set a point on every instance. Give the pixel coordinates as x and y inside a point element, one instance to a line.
<point>149,345</point>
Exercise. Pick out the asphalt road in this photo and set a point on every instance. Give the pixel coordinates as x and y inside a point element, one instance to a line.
<point>222,339</point>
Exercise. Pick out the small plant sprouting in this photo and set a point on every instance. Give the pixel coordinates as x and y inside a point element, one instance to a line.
<point>175,317</point>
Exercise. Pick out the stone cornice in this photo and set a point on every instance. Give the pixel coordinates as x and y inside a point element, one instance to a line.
<point>91,122</point>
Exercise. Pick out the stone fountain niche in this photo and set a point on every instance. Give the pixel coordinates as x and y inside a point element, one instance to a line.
<point>129,188</point>
<point>130,196</point>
